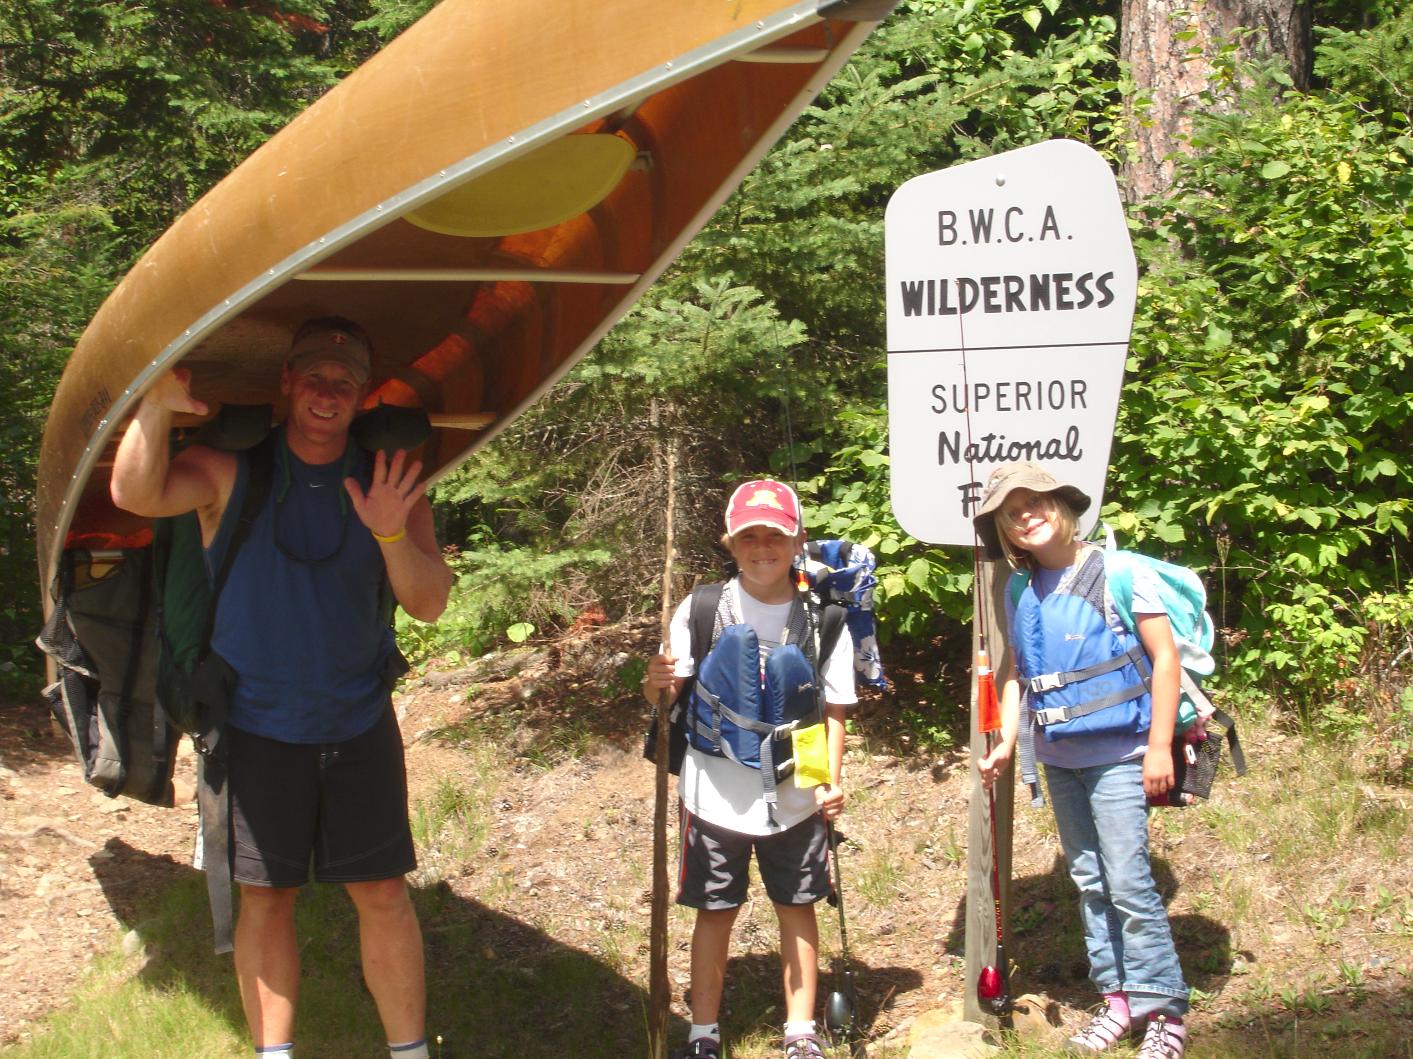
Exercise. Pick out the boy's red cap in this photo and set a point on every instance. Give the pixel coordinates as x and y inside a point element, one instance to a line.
<point>763,502</point>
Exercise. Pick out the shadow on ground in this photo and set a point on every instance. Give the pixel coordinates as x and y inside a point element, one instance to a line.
<point>496,987</point>
<point>1045,941</point>
<point>28,736</point>
<point>753,1001</point>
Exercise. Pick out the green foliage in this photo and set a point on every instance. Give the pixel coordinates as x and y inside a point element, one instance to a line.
<point>391,17</point>
<point>1268,400</point>
<point>499,592</point>
<point>1375,66</point>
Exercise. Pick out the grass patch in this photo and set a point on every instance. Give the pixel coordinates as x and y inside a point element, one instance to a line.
<point>449,826</point>
<point>117,1014</point>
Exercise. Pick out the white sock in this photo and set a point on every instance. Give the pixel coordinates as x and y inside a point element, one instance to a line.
<point>799,1029</point>
<point>711,1030</point>
<point>276,1051</point>
<point>411,1050</point>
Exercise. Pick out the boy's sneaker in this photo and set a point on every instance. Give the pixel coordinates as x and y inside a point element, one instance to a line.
<point>1105,1030</point>
<point>701,1048</point>
<point>1164,1039</point>
<point>804,1046</point>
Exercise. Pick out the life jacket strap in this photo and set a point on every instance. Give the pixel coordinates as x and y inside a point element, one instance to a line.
<point>1052,681</point>
<point>1060,714</point>
<point>1045,716</point>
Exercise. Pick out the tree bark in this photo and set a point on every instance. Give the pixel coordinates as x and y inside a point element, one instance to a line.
<point>1171,48</point>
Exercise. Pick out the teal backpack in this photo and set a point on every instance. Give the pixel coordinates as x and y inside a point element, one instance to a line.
<point>1185,599</point>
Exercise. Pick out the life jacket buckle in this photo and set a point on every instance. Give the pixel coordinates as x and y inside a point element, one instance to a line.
<point>1052,715</point>
<point>1046,682</point>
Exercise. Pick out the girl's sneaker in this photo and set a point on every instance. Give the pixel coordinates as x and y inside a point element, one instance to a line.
<point>1164,1039</point>
<point>1102,1033</point>
<point>804,1046</point>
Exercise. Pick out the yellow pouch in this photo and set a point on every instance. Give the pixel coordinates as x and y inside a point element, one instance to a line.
<point>811,751</point>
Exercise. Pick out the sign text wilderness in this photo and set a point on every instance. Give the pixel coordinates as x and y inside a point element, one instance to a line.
<point>1010,296</point>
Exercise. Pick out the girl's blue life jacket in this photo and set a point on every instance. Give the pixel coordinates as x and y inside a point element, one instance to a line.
<point>1082,677</point>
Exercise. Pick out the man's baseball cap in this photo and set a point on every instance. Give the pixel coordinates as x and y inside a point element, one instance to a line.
<point>332,339</point>
<point>763,502</point>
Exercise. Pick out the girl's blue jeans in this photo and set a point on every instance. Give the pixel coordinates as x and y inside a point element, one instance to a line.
<point>1102,816</point>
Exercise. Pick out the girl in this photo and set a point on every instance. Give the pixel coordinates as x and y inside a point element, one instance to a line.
<point>1106,753</point>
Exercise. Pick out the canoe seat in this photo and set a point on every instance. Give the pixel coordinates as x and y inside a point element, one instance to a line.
<point>538,190</point>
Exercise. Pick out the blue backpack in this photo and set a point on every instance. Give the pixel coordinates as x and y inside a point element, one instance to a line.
<point>842,572</point>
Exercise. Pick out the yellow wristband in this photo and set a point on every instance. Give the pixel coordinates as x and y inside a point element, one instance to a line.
<point>390,540</point>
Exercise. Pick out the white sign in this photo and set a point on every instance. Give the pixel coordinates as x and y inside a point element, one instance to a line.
<point>1011,285</point>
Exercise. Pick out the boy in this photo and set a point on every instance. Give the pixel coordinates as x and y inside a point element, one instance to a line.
<point>724,812</point>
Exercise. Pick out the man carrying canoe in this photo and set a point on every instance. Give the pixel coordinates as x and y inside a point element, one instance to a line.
<point>315,759</point>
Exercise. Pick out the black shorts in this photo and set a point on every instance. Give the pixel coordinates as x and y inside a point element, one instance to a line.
<point>713,876</point>
<point>342,806</point>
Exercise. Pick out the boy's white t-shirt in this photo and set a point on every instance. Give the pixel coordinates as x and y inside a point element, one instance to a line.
<point>730,795</point>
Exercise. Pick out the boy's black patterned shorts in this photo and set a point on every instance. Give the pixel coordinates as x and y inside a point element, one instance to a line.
<point>793,864</point>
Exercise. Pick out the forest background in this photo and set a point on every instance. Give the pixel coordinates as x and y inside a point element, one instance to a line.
<point>1264,425</point>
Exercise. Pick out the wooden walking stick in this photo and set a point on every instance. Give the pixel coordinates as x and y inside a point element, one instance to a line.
<point>658,999</point>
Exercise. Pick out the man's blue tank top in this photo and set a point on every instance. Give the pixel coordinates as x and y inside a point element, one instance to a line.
<point>299,618</point>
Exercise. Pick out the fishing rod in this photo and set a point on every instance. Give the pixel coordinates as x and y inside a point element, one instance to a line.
<point>993,981</point>
<point>993,987</point>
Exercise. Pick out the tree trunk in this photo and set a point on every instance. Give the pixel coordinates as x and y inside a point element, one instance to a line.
<point>1171,47</point>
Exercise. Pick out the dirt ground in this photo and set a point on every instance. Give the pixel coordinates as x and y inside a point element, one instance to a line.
<point>567,849</point>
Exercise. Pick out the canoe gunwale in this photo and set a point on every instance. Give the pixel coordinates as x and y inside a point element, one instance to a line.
<point>616,99</point>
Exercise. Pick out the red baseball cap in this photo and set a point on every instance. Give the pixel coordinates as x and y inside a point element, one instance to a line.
<point>764,502</point>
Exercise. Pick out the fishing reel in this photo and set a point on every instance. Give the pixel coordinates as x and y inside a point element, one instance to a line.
<point>839,1009</point>
<point>992,992</point>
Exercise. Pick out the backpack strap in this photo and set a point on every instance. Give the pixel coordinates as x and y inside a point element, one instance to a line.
<point>705,600</point>
<point>260,474</point>
<point>831,627</point>
<point>1118,574</point>
<point>1238,757</point>
<point>212,791</point>
<point>131,671</point>
<point>1016,586</point>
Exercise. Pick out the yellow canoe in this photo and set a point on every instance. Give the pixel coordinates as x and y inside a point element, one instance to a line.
<point>486,196</point>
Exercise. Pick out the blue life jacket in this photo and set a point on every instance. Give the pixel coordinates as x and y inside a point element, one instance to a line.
<point>744,711</point>
<point>1083,678</point>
